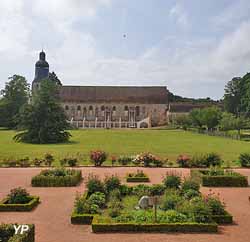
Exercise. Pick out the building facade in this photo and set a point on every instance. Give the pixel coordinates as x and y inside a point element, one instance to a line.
<point>109,106</point>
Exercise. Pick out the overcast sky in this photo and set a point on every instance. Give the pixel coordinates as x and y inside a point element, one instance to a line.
<point>193,47</point>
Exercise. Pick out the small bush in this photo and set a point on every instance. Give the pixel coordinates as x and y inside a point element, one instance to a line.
<point>25,162</point>
<point>97,198</point>
<point>172,181</point>
<point>147,159</point>
<point>189,184</point>
<point>183,161</point>
<point>115,194</point>
<point>157,190</point>
<point>215,205</point>
<point>125,160</point>
<point>37,162</point>
<point>115,207</point>
<point>126,190</point>
<point>98,157</point>
<point>190,193</point>
<point>170,200</point>
<point>48,159</point>
<point>244,159</point>
<point>141,190</point>
<point>94,184</point>
<point>18,196</point>
<point>72,162</point>
<point>111,183</point>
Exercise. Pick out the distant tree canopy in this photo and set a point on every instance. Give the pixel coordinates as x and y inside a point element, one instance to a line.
<point>176,98</point>
<point>53,77</point>
<point>14,96</point>
<point>237,96</point>
<point>44,120</point>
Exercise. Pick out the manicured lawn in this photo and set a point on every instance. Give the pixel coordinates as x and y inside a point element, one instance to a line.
<point>165,143</point>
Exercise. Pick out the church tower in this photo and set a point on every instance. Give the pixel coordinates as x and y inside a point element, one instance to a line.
<point>41,70</point>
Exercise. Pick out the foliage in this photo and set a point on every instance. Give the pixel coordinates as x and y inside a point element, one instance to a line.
<point>183,161</point>
<point>170,200</point>
<point>44,120</point>
<point>58,177</point>
<point>205,160</point>
<point>157,189</point>
<point>111,183</point>
<point>97,198</point>
<point>190,193</point>
<point>190,184</point>
<point>70,161</point>
<point>125,160</point>
<point>48,159</point>
<point>94,184</point>
<point>147,159</point>
<point>98,157</point>
<point>172,181</point>
<point>18,196</point>
<point>15,96</point>
<point>244,159</point>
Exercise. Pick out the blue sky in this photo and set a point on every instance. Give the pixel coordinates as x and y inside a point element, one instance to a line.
<point>193,47</point>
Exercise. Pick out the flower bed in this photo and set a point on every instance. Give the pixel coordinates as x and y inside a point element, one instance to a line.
<point>7,233</point>
<point>219,178</point>
<point>18,200</point>
<point>112,207</point>
<point>57,178</point>
<point>139,176</point>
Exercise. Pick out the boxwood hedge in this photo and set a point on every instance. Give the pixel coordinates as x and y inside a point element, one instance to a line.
<point>4,207</point>
<point>159,227</point>
<point>137,179</point>
<point>81,218</point>
<point>57,181</point>
<point>7,234</point>
<point>219,181</point>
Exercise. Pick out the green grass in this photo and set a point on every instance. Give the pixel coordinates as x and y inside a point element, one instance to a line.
<point>165,143</point>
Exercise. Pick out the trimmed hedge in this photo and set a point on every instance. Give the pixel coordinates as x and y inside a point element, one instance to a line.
<point>81,218</point>
<point>223,219</point>
<point>161,228</point>
<point>7,234</point>
<point>137,179</point>
<point>57,181</point>
<point>219,181</point>
<point>4,207</point>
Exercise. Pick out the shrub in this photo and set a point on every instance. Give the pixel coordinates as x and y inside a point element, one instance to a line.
<point>172,181</point>
<point>48,159</point>
<point>170,200</point>
<point>146,159</point>
<point>190,193</point>
<point>72,162</point>
<point>25,162</point>
<point>37,162</point>
<point>244,159</point>
<point>57,178</point>
<point>189,184</point>
<point>215,205</point>
<point>157,190</point>
<point>94,184</point>
<point>141,190</point>
<point>183,160</point>
<point>115,207</point>
<point>201,212</point>
<point>125,190</point>
<point>97,198</point>
<point>115,194</point>
<point>113,160</point>
<point>125,160</point>
<point>213,159</point>
<point>98,157</point>
<point>111,183</point>
<point>18,196</point>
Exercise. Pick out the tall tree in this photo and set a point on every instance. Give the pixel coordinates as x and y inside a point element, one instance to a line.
<point>211,117</point>
<point>15,95</point>
<point>44,120</point>
<point>53,77</point>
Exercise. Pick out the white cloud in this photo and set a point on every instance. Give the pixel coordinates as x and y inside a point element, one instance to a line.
<point>178,13</point>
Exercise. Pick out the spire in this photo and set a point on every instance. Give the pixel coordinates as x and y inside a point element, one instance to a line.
<point>42,56</point>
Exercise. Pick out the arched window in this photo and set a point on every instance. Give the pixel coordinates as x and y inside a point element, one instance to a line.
<point>66,107</point>
<point>78,108</point>
<point>126,110</point>
<point>103,110</point>
<point>137,111</point>
<point>114,110</point>
<point>91,110</point>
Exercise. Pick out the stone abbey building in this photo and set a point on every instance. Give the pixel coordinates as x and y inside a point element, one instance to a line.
<point>109,106</point>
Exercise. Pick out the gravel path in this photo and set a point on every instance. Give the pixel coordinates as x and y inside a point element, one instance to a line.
<point>52,216</point>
